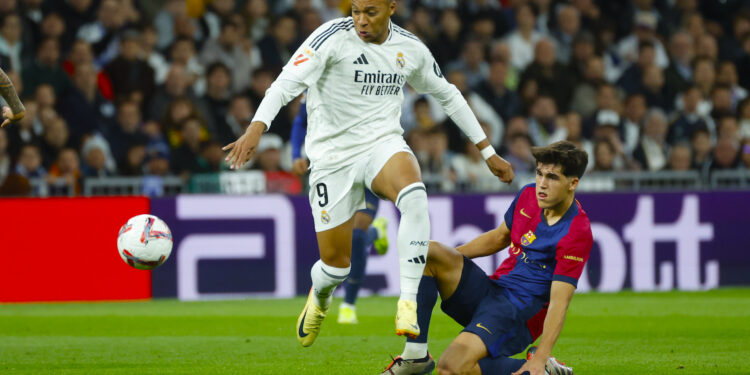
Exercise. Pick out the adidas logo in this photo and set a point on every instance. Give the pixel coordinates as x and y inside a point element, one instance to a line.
<point>419,260</point>
<point>362,60</point>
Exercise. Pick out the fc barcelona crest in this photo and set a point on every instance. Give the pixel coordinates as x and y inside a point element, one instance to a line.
<point>528,238</point>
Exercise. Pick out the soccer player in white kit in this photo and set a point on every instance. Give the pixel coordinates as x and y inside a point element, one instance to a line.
<point>354,69</point>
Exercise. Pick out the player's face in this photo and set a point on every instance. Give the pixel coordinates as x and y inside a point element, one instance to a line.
<point>371,19</point>
<point>552,186</point>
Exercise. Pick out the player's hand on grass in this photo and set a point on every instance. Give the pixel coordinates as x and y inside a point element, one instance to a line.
<point>535,366</point>
<point>241,150</point>
<point>9,116</point>
<point>500,168</point>
<point>299,166</point>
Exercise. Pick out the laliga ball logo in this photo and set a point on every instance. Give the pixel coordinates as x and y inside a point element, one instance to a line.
<point>144,242</point>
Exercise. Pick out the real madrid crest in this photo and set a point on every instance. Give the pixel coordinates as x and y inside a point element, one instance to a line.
<point>400,61</point>
<point>324,217</point>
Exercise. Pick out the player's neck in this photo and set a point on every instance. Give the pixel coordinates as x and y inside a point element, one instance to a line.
<point>385,35</point>
<point>553,214</point>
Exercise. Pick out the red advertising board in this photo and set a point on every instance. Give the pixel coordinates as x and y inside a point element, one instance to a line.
<point>65,249</point>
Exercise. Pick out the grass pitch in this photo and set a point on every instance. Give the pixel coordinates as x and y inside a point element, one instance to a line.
<point>624,333</point>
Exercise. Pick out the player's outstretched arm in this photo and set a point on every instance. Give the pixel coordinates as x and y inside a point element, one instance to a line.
<point>241,150</point>
<point>560,296</point>
<point>487,243</point>
<point>498,166</point>
<point>15,109</point>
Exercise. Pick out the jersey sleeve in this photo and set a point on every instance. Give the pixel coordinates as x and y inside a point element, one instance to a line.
<point>573,251</point>
<point>512,209</point>
<point>312,58</point>
<point>427,78</point>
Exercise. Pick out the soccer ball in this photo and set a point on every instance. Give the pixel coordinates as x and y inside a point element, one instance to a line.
<point>144,242</point>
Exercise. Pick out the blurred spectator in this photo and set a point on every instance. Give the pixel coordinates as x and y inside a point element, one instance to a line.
<point>651,152</point>
<point>277,48</point>
<point>216,11</point>
<point>644,31</point>
<point>268,160</point>
<point>727,128</point>
<point>218,94</point>
<point>706,47</point>
<point>237,119</point>
<point>743,115</point>
<point>505,102</point>
<point>257,18</point>
<point>133,163</point>
<point>584,95</point>
<point>27,130</point>
<point>680,157</point>
<point>634,114</point>
<point>65,174</point>
<point>213,155</point>
<point>151,54</point>
<point>175,87</point>
<point>500,51</point>
<point>654,90</point>
<point>102,33</point>
<point>743,62</point>
<point>608,127</point>
<point>573,125</point>
<point>727,75</point>
<point>157,160</point>
<point>437,161</point>
<point>183,53</point>
<point>30,162</point>
<point>604,156</point>
<point>688,119</point>
<point>523,40</point>
<point>132,77</point>
<point>178,111</point>
<point>83,107</point>
<point>704,75</point>
<point>679,74</point>
<point>543,127</point>
<point>76,13</point>
<point>569,23</point>
<point>56,138</point>
<point>45,97</point>
<point>607,98</point>
<point>82,54</point>
<point>701,142</point>
<point>15,185</point>
<point>519,154</point>
<point>126,131</point>
<point>552,78</point>
<point>472,63</point>
<point>583,50</point>
<point>53,26</point>
<point>11,45</point>
<point>481,109</point>
<point>5,162</point>
<point>725,155</point>
<point>471,169</point>
<point>632,78</point>
<point>186,159</point>
<point>165,20</point>
<point>46,68</point>
<point>721,102</point>
<point>228,49</point>
<point>97,160</point>
<point>449,40</point>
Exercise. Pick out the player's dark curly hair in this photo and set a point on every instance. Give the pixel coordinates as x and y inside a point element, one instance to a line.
<point>572,159</point>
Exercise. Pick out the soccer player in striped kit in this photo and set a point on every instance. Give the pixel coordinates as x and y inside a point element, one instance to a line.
<point>354,70</point>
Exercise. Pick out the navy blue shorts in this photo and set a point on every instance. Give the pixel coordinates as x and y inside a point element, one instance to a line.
<point>491,312</point>
<point>371,203</point>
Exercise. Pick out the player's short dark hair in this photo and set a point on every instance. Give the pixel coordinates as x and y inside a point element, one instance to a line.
<point>572,159</point>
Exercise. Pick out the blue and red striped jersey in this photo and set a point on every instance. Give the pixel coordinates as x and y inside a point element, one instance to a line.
<point>541,253</point>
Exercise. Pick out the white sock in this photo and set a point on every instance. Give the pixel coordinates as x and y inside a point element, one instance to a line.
<point>414,350</point>
<point>325,279</point>
<point>413,238</point>
<point>347,305</point>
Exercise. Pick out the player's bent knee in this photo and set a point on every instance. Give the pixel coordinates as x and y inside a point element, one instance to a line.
<point>446,366</point>
<point>412,200</point>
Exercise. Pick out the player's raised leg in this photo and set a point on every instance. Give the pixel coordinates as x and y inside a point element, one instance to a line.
<point>328,272</point>
<point>400,181</point>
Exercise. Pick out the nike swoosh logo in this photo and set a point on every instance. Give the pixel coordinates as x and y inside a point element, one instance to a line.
<point>484,328</point>
<point>524,214</point>
<point>301,324</point>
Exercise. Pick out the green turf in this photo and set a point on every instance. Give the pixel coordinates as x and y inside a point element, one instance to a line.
<point>624,333</point>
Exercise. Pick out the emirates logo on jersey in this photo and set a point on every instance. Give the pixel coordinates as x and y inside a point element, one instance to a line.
<point>528,238</point>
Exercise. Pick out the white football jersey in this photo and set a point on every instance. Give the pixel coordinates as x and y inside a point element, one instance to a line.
<point>355,88</point>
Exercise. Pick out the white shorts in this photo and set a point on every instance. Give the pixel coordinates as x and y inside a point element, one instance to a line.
<point>336,194</point>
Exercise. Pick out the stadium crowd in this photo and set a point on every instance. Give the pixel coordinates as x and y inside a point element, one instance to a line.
<point>157,87</point>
